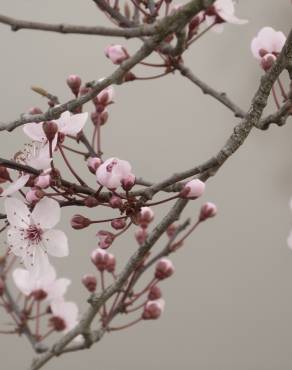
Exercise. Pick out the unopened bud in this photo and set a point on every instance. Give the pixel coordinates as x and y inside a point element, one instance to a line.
<point>128,182</point>
<point>42,181</point>
<point>154,293</point>
<point>193,189</point>
<point>153,309</point>
<point>91,202</point>
<point>207,210</point>
<point>35,110</point>
<point>116,202</point>
<point>34,195</point>
<point>164,269</point>
<point>79,222</point>
<point>50,129</point>
<point>145,216</point>
<point>141,236</point>
<point>106,238</point>
<point>93,163</point>
<point>74,82</point>
<point>90,282</point>
<point>118,224</point>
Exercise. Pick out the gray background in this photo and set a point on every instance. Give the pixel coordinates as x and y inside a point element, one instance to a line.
<point>229,304</point>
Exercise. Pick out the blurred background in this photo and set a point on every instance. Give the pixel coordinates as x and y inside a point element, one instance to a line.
<point>229,304</point>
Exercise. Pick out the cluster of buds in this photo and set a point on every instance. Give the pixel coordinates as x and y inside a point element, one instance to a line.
<point>103,260</point>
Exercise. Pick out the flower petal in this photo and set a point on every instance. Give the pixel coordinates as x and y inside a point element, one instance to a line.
<point>15,186</point>
<point>46,213</point>
<point>17,212</point>
<point>16,241</point>
<point>58,288</point>
<point>23,281</point>
<point>56,243</point>
<point>35,131</point>
<point>72,124</point>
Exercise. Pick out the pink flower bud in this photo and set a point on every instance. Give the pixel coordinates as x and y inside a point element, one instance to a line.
<point>118,224</point>
<point>193,189</point>
<point>145,216</point>
<point>34,195</point>
<point>93,163</point>
<point>103,260</point>
<point>4,175</point>
<point>164,269</point>
<point>35,110</point>
<point>106,96</point>
<point>153,309</point>
<point>267,61</point>
<point>43,181</point>
<point>74,82</point>
<point>106,239</point>
<point>103,117</point>
<point>128,182</point>
<point>171,230</point>
<point>50,129</point>
<point>207,210</point>
<point>79,222</point>
<point>90,282</point>
<point>91,202</point>
<point>112,172</point>
<point>141,236</point>
<point>154,293</point>
<point>116,202</point>
<point>116,53</point>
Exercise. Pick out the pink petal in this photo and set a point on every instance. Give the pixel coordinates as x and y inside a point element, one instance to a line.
<point>46,213</point>
<point>35,131</point>
<point>15,186</point>
<point>72,124</point>
<point>23,281</point>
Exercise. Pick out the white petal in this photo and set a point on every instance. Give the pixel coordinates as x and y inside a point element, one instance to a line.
<point>38,263</point>
<point>58,288</point>
<point>56,243</point>
<point>16,241</point>
<point>23,281</point>
<point>46,213</point>
<point>35,131</point>
<point>17,212</point>
<point>15,186</point>
<point>73,124</point>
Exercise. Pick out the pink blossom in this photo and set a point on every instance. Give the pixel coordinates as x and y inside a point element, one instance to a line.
<point>65,315</point>
<point>46,286</point>
<point>43,181</point>
<point>74,82</point>
<point>116,53</point>
<point>111,173</point>
<point>164,269</point>
<point>34,195</point>
<point>67,124</point>
<point>222,11</point>
<point>31,235</point>
<point>267,45</point>
<point>207,210</point>
<point>153,309</point>
<point>193,189</point>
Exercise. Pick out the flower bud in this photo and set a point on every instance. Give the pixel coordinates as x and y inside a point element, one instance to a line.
<point>154,293</point>
<point>267,61</point>
<point>153,309</point>
<point>103,260</point>
<point>116,53</point>
<point>34,195</point>
<point>207,210</point>
<point>164,269</point>
<point>111,263</point>
<point>50,129</point>
<point>193,189</point>
<point>106,239</point>
<point>116,202</point>
<point>145,216</point>
<point>141,236</point>
<point>171,230</point>
<point>90,282</point>
<point>4,175</point>
<point>128,182</point>
<point>35,110</point>
<point>93,163</point>
<point>129,76</point>
<point>118,224</point>
<point>79,222</point>
<point>39,294</point>
<point>74,82</point>
<point>42,181</point>
<point>91,202</point>
<point>103,117</point>
<point>106,96</point>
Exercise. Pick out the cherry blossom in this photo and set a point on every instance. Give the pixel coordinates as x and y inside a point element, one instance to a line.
<point>31,235</point>
<point>222,11</point>
<point>68,124</point>
<point>267,45</point>
<point>46,286</point>
<point>65,315</point>
<point>111,173</point>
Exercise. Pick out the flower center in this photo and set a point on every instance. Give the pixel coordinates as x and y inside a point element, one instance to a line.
<point>110,166</point>
<point>39,294</point>
<point>57,323</point>
<point>34,234</point>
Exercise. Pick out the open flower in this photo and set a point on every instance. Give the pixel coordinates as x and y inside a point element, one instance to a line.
<point>112,172</point>
<point>222,11</point>
<point>68,124</point>
<point>36,156</point>
<point>65,315</point>
<point>46,286</point>
<point>267,45</point>
<point>31,236</point>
